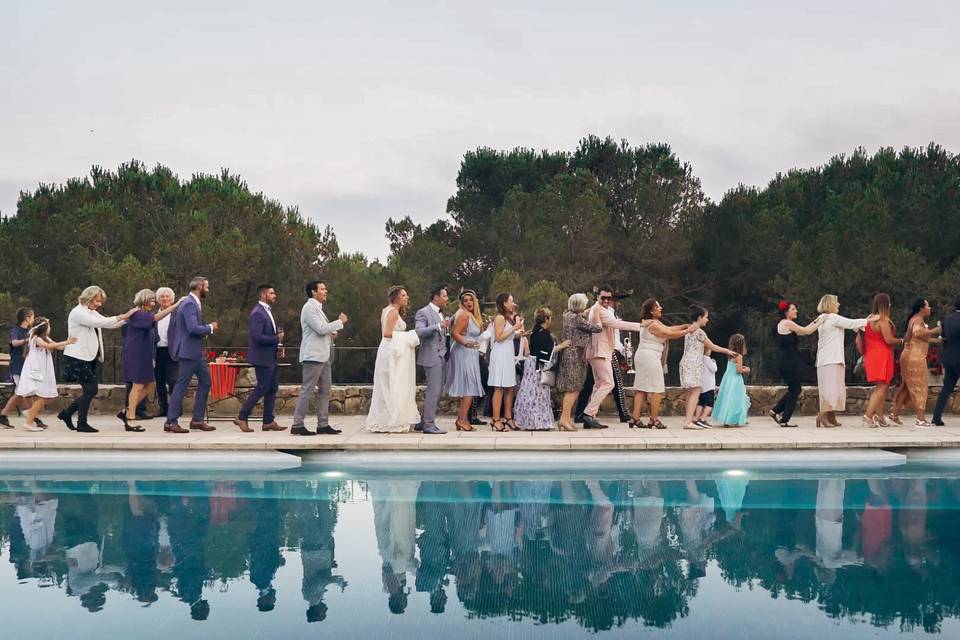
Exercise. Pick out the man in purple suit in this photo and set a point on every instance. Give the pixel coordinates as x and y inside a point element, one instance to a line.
<point>186,347</point>
<point>264,343</point>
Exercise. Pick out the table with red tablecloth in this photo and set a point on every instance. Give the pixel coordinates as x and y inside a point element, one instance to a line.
<point>223,383</point>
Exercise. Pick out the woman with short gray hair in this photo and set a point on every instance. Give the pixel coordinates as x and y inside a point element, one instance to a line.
<point>81,360</point>
<point>139,351</point>
<point>573,360</point>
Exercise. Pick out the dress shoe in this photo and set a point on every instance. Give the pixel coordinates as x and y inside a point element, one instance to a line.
<point>67,419</point>
<point>273,426</point>
<point>84,427</point>
<point>432,429</point>
<point>240,422</point>
<point>173,427</point>
<point>201,426</point>
<point>938,423</point>
<point>5,422</point>
<point>589,422</point>
<point>302,431</point>
<point>328,431</point>
<point>418,426</point>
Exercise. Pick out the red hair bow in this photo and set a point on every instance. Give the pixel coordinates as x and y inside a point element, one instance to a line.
<point>783,306</point>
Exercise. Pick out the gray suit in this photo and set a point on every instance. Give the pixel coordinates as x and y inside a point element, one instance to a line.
<point>315,349</point>
<point>433,348</point>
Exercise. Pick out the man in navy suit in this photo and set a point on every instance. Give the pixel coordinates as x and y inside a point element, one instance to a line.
<point>950,359</point>
<point>186,346</point>
<point>264,344</point>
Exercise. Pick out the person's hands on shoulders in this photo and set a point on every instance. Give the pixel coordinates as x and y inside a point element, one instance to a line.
<point>343,318</point>
<point>72,340</point>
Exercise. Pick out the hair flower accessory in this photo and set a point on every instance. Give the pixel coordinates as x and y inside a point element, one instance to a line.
<point>783,306</point>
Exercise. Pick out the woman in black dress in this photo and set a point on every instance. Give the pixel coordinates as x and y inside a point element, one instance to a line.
<point>788,332</point>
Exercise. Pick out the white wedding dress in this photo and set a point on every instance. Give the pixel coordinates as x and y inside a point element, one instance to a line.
<point>393,407</point>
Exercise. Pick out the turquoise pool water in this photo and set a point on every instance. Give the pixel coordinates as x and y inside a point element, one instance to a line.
<point>318,550</point>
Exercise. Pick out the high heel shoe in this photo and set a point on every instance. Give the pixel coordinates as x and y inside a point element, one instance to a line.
<point>126,423</point>
<point>922,424</point>
<point>634,424</point>
<point>497,425</point>
<point>511,424</point>
<point>461,426</point>
<point>820,422</point>
<point>869,422</point>
<point>894,418</point>
<point>566,427</point>
<point>881,422</point>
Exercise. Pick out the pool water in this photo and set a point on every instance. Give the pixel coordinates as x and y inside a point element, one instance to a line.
<point>298,553</point>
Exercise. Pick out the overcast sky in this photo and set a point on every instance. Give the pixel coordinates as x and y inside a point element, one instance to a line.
<point>359,111</point>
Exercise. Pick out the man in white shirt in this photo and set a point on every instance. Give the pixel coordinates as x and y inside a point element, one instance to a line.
<point>165,368</point>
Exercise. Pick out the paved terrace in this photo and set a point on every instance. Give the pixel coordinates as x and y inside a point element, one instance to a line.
<point>761,433</point>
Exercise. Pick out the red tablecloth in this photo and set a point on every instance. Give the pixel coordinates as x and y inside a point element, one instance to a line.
<point>223,380</point>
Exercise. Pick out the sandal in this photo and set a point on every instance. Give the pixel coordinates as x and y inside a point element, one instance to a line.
<point>511,424</point>
<point>692,426</point>
<point>497,425</point>
<point>894,418</point>
<point>133,427</point>
<point>464,426</point>
<point>656,424</point>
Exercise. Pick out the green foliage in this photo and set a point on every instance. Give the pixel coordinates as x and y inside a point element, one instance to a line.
<point>540,224</point>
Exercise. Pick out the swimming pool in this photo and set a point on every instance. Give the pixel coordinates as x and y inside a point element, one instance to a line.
<point>678,554</point>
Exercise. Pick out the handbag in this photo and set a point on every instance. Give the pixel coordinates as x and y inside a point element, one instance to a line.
<point>548,374</point>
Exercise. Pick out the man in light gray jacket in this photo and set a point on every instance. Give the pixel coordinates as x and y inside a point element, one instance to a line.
<point>315,347</point>
<point>431,328</point>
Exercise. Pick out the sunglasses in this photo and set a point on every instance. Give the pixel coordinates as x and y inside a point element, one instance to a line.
<point>606,298</point>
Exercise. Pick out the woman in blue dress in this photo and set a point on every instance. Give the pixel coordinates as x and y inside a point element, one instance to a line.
<point>464,365</point>
<point>139,350</point>
<point>733,403</point>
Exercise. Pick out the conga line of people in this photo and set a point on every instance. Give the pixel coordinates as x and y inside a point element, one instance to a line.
<point>163,351</point>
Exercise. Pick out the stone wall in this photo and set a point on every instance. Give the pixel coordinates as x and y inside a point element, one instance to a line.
<point>355,399</point>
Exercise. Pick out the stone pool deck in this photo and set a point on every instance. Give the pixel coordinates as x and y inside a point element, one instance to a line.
<point>761,433</point>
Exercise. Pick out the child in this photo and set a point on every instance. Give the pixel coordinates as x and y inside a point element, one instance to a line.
<point>18,341</point>
<point>708,387</point>
<point>38,378</point>
<point>732,404</point>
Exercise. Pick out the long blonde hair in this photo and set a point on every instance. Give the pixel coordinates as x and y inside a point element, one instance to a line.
<point>476,306</point>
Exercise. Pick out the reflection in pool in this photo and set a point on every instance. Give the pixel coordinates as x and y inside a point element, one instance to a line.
<point>688,555</point>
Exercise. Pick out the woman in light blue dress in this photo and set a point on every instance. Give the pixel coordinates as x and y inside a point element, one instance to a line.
<point>733,403</point>
<point>503,369</point>
<point>463,375</point>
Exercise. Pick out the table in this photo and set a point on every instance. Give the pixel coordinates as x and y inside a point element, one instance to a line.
<point>223,385</point>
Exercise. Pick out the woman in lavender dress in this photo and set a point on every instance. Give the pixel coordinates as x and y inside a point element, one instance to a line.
<point>534,405</point>
<point>139,348</point>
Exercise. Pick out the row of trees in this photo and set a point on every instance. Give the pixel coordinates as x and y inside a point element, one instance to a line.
<point>539,224</point>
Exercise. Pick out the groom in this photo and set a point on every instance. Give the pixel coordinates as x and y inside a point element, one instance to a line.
<point>431,328</point>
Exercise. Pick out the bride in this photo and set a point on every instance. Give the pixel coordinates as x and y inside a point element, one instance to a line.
<point>393,408</point>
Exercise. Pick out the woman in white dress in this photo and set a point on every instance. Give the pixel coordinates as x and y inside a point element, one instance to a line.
<point>695,346</point>
<point>38,378</point>
<point>503,370</point>
<point>831,365</point>
<point>393,407</point>
<point>649,361</point>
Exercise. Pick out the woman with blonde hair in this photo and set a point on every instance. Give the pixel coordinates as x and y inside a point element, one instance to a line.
<point>139,353</point>
<point>463,375</point>
<point>82,359</point>
<point>831,366</point>
<point>573,360</point>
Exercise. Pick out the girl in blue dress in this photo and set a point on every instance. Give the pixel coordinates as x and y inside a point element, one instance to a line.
<point>733,403</point>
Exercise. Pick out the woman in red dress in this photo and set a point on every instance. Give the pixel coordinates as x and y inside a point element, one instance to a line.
<point>879,339</point>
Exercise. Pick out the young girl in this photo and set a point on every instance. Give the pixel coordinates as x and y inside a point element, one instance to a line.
<point>708,391</point>
<point>732,404</point>
<point>38,378</point>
